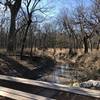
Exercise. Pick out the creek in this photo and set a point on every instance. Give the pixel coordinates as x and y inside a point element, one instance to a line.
<point>62,74</point>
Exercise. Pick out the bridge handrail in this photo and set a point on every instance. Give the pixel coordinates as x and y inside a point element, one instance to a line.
<point>19,95</point>
<point>54,86</point>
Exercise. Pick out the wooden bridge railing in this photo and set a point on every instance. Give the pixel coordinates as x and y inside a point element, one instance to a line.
<point>19,95</point>
<point>58,87</point>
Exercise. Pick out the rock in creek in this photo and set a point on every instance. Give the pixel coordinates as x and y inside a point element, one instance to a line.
<point>90,83</point>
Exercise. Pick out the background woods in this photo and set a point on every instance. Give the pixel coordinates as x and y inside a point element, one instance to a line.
<point>24,24</point>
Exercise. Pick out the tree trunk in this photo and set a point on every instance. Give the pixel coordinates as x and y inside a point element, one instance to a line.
<point>91,45</point>
<point>31,51</point>
<point>35,45</point>
<point>98,45</point>
<point>12,35</point>
<point>14,8</point>
<point>24,39</point>
<point>85,45</point>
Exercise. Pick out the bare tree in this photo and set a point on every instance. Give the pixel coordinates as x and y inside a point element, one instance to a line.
<point>31,7</point>
<point>81,21</point>
<point>68,23</point>
<point>14,6</point>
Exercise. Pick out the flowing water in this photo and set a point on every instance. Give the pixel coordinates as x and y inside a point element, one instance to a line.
<point>63,74</point>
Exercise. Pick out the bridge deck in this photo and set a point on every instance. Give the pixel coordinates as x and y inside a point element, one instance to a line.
<point>19,95</point>
<point>54,86</point>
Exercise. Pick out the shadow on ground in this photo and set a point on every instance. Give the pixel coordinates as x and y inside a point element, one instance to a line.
<point>14,68</point>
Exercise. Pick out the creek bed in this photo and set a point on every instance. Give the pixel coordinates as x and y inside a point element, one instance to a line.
<point>63,74</point>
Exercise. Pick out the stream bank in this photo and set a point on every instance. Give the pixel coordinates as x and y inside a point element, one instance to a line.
<point>30,67</point>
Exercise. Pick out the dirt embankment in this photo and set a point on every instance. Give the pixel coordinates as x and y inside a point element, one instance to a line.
<point>30,67</point>
<point>90,64</point>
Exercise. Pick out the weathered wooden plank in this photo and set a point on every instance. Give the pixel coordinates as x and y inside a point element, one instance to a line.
<point>64,88</point>
<point>19,95</point>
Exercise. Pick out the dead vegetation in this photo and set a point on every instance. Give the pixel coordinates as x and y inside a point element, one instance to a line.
<point>88,64</point>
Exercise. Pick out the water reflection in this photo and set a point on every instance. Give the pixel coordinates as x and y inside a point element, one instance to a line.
<point>63,74</point>
<point>59,72</point>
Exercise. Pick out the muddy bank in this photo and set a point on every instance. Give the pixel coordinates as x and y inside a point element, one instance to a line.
<point>30,67</point>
